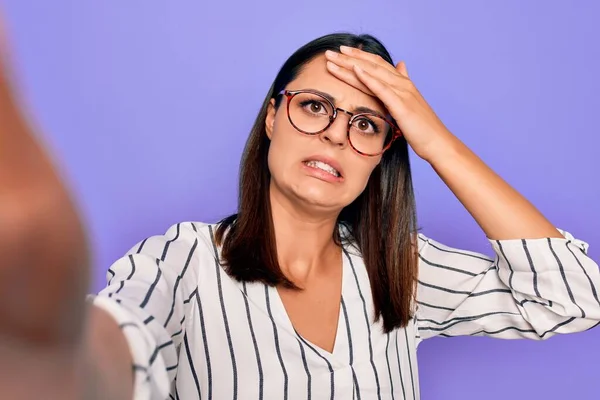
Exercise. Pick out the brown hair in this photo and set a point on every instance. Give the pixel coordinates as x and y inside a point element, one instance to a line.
<point>381,222</point>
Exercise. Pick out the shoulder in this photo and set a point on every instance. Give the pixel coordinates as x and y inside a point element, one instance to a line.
<point>181,242</point>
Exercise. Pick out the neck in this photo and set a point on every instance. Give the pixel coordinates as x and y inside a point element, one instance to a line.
<point>305,245</point>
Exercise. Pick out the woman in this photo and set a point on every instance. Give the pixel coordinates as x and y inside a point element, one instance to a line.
<point>320,286</point>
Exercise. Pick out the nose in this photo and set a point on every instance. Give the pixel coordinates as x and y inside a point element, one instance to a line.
<point>337,133</point>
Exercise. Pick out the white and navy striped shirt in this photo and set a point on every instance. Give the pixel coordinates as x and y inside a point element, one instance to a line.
<point>196,333</point>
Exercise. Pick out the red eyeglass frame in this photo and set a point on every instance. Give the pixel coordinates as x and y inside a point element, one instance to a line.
<point>289,94</point>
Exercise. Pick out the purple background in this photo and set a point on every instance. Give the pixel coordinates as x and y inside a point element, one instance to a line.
<point>147,105</point>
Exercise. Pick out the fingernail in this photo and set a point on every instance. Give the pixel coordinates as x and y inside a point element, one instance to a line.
<point>332,65</point>
<point>346,49</point>
<point>331,54</point>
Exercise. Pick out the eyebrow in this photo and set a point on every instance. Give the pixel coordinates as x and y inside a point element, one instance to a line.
<point>359,109</point>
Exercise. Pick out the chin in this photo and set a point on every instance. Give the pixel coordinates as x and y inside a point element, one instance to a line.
<point>312,194</point>
<point>322,198</point>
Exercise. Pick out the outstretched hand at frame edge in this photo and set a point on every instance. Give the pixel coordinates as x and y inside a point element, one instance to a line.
<point>44,265</point>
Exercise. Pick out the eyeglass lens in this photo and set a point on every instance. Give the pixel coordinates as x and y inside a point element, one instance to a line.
<point>311,113</point>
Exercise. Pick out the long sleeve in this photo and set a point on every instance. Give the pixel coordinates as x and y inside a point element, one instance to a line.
<point>534,288</point>
<point>148,292</point>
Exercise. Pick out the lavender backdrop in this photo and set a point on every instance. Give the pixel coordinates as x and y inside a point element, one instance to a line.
<point>147,105</point>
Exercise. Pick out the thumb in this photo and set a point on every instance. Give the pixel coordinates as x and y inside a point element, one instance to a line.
<point>401,67</point>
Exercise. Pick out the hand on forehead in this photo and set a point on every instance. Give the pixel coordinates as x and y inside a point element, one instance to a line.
<point>315,75</point>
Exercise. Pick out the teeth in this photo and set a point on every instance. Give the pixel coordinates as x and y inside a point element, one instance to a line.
<point>323,166</point>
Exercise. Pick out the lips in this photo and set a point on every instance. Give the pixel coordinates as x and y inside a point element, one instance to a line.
<point>325,164</point>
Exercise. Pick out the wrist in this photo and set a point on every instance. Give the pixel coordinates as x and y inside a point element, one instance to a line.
<point>446,148</point>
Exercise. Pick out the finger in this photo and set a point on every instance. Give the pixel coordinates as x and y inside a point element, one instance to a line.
<point>392,77</point>
<point>348,76</point>
<point>401,68</point>
<point>364,55</point>
<point>384,92</point>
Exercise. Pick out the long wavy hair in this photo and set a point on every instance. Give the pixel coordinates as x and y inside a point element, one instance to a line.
<point>380,222</point>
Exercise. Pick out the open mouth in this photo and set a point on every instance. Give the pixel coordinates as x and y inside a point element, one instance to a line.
<point>323,166</point>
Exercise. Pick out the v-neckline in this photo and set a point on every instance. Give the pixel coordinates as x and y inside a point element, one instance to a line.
<point>281,316</point>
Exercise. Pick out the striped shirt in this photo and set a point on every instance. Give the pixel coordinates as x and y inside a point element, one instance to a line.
<point>196,333</point>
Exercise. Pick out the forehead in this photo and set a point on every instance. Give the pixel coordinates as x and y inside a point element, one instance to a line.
<point>314,75</point>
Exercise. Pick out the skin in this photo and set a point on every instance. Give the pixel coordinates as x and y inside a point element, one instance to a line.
<point>88,353</point>
<point>50,345</point>
<point>305,206</point>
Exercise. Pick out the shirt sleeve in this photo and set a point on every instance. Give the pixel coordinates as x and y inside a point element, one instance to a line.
<point>148,293</point>
<point>533,288</point>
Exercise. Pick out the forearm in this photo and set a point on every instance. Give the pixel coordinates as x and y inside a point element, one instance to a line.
<point>497,207</point>
<point>107,358</point>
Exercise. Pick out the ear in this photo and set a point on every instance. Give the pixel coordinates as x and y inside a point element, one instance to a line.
<point>270,120</point>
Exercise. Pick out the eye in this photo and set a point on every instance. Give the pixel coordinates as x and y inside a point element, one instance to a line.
<point>366,126</point>
<point>314,107</point>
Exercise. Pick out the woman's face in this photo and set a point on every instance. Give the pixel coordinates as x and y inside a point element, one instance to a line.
<point>301,165</point>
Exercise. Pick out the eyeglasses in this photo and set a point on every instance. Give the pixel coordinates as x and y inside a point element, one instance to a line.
<point>369,134</point>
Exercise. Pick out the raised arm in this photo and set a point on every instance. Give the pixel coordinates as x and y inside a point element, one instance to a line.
<point>532,288</point>
<point>539,283</point>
